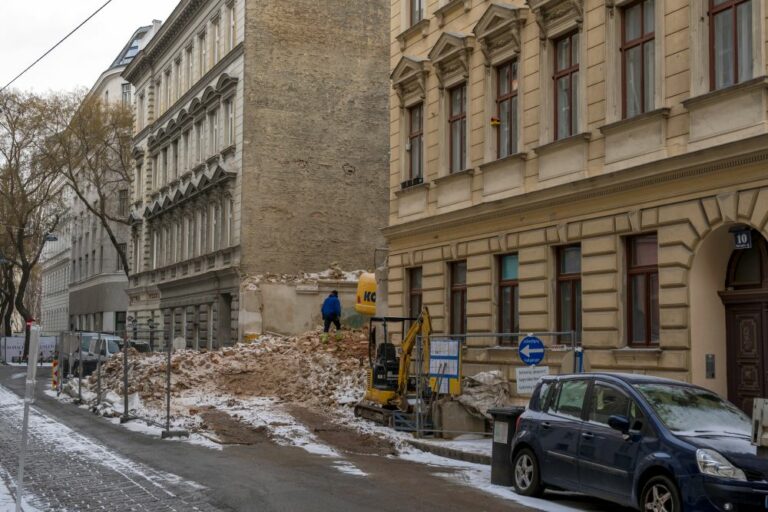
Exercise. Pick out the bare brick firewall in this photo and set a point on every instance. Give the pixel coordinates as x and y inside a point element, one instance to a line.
<point>316,133</point>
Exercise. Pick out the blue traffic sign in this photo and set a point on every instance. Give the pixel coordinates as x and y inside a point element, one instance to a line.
<point>531,350</point>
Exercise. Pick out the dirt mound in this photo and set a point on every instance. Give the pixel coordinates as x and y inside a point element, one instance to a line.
<point>301,369</point>
<point>228,430</point>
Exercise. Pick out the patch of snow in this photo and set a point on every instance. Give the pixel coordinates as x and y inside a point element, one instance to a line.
<point>349,469</point>
<point>476,446</point>
<point>8,499</point>
<point>478,476</point>
<point>46,429</point>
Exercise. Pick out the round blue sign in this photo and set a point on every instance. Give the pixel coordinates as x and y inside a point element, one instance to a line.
<point>531,350</point>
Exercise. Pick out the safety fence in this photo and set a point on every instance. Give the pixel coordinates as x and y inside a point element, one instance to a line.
<point>95,368</point>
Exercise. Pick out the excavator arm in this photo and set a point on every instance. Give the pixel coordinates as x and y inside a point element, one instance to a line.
<point>421,327</point>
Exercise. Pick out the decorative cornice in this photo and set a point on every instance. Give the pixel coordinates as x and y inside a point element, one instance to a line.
<point>422,27</point>
<point>410,74</point>
<point>676,168</point>
<point>176,23</point>
<point>499,26</point>
<point>548,12</point>
<point>452,5</point>
<point>451,53</point>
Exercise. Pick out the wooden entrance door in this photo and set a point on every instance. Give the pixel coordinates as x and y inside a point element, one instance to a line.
<point>746,314</point>
<point>746,333</point>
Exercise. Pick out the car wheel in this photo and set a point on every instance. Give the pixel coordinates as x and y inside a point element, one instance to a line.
<point>526,474</point>
<point>660,495</point>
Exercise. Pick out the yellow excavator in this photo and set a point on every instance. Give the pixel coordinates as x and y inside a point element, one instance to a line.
<point>389,380</point>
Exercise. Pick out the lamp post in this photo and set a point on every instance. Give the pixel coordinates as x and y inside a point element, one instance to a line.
<point>152,325</point>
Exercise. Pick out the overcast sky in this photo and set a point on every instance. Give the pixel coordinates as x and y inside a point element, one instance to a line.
<point>30,27</point>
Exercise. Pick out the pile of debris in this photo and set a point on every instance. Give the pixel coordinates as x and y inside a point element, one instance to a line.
<point>301,369</point>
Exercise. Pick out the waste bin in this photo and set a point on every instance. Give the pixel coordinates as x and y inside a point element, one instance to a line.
<point>504,424</point>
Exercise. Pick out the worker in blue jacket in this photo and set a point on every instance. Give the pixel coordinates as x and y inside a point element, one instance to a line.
<point>331,312</point>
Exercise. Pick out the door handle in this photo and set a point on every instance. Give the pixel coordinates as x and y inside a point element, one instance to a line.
<point>587,435</point>
<point>546,424</point>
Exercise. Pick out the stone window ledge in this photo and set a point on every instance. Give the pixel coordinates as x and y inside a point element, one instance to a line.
<point>212,159</point>
<point>229,149</point>
<point>635,354</point>
<point>617,126</point>
<point>755,83</point>
<point>422,27</point>
<point>413,188</point>
<point>500,162</point>
<point>573,140</point>
<point>452,5</point>
<point>454,175</point>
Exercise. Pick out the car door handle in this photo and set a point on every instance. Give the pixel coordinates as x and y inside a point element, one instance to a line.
<point>546,424</point>
<point>587,435</point>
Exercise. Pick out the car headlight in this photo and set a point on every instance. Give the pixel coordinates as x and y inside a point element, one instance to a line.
<point>712,463</point>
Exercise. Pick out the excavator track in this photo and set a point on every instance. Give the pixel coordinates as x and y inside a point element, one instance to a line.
<point>374,413</point>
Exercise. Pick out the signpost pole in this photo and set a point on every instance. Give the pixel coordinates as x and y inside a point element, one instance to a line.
<point>29,398</point>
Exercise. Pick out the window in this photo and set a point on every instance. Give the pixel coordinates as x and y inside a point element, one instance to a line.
<point>190,67</point>
<point>216,41</point>
<point>199,141</point>
<point>607,401</point>
<point>643,290</point>
<point>459,297</point>
<point>566,79</point>
<point>177,78</point>
<point>167,83</point>
<point>229,116</point>
<point>414,292</point>
<point>165,167</point>
<point>638,57</point>
<point>140,113</point>
<point>458,127</point>
<point>126,88</point>
<point>231,26</point>
<point>175,159</point>
<point>121,249</point>
<point>416,11</point>
<point>569,290</point>
<point>122,202</point>
<point>570,398</point>
<point>415,141</point>
<point>509,297</point>
<point>87,270</point>
<point>730,42</point>
<point>187,151</point>
<point>213,126</point>
<point>202,54</point>
<point>506,103</point>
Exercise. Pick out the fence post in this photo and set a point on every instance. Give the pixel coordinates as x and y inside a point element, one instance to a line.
<point>29,398</point>
<point>124,418</point>
<point>80,368</point>
<point>98,371</point>
<point>168,432</point>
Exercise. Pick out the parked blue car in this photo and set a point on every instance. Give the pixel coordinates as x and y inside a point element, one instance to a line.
<point>643,442</point>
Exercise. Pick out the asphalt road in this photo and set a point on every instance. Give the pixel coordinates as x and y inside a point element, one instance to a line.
<point>260,477</point>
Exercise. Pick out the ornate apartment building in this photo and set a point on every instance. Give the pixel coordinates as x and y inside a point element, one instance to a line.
<point>582,165</point>
<point>260,148</point>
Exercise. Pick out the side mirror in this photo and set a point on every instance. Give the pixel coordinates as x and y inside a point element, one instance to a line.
<point>620,423</point>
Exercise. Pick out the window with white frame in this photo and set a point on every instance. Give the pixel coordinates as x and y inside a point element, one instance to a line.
<point>229,116</point>
<point>199,141</point>
<point>216,40</point>
<point>126,94</point>
<point>213,126</point>
<point>202,54</point>
<point>190,67</point>
<point>231,33</point>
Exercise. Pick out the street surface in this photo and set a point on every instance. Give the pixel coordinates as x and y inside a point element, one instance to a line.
<point>78,461</point>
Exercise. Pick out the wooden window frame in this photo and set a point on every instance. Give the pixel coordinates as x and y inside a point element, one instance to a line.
<point>644,38</point>
<point>562,278</point>
<point>713,11</point>
<point>457,117</point>
<point>413,135</point>
<point>512,284</point>
<point>500,98</point>
<point>565,72</point>
<point>414,292</point>
<point>461,290</point>
<point>648,271</point>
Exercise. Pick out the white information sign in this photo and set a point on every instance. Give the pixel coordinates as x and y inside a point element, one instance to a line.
<point>528,377</point>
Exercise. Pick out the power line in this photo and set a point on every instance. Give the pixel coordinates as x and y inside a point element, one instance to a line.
<point>56,45</point>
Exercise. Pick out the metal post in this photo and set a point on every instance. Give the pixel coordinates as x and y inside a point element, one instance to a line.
<point>29,398</point>
<point>98,371</point>
<point>151,336</point>
<point>168,432</point>
<point>80,369</point>
<point>125,417</point>
<point>418,385</point>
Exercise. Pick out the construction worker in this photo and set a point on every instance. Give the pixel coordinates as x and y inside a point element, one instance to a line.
<point>331,312</point>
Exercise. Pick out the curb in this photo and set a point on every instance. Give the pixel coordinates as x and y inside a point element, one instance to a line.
<point>451,453</point>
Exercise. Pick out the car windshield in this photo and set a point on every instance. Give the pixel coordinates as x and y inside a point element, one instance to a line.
<point>693,410</point>
<point>114,348</point>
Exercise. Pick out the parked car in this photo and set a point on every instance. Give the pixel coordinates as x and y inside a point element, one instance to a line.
<point>639,441</point>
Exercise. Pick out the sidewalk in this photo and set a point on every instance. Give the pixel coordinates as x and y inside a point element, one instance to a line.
<point>469,448</point>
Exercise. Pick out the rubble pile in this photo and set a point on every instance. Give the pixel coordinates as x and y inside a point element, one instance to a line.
<point>301,369</point>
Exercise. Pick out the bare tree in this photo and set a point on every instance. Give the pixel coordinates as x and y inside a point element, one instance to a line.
<point>27,187</point>
<point>94,154</point>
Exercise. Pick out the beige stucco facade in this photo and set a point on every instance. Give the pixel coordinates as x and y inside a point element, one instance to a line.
<point>690,168</point>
